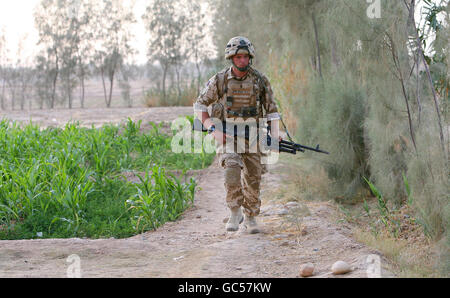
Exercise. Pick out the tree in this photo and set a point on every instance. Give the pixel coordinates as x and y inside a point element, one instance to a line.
<point>85,47</point>
<point>25,75</point>
<point>165,25</point>
<point>12,77</point>
<point>439,77</point>
<point>69,59</point>
<point>196,34</point>
<point>79,45</point>
<point>50,24</point>
<point>112,20</point>
<point>127,72</point>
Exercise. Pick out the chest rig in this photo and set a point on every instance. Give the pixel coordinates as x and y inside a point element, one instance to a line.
<point>241,98</point>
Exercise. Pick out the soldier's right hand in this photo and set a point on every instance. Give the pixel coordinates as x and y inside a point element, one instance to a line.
<point>220,137</point>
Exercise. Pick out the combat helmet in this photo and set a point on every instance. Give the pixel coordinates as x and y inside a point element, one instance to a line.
<point>237,45</point>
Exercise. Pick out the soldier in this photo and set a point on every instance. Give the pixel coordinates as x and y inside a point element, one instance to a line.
<point>239,91</point>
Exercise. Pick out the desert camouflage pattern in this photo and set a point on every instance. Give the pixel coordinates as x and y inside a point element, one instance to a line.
<point>243,94</point>
<point>242,181</point>
<point>242,170</point>
<point>238,44</point>
<point>213,94</point>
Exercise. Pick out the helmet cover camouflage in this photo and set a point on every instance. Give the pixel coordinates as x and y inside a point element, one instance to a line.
<point>238,45</point>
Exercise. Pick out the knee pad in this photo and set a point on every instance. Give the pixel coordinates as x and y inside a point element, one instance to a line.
<point>233,175</point>
<point>228,160</point>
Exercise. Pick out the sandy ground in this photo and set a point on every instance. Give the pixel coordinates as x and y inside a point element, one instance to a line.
<point>94,95</point>
<point>96,116</point>
<point>197,244</point>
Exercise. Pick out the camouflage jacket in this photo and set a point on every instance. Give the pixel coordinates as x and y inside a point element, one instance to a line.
<point>214,94</point>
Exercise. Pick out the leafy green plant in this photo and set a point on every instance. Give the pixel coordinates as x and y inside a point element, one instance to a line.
<point>68,181</point>
<point>386,215</point>
<point>384,211</point>
<point>160,197</point>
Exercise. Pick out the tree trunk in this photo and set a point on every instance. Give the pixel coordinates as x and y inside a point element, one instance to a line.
<point>3,94</point>
<point>41,101</point>
<point>199,77</point>
<point>104,87</point>
<point>22,103</point>
<point>12,90</point>
<point>69,92</point>
<point>177,71</point>
<point>13,97</point>
<point>111,74</point>
<point>30,102</point>
<point>427,70</point>
<point>402,82</point>
<point>419,104</point>
<point>52,103</point>
<point>165,67</point>
<point>23,96</point>
<point>199,74</point>
<point>111,80</point>
<point>22,90</point>
<point>82,88</point>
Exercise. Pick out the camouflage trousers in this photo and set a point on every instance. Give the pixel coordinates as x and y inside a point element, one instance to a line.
<point>242,180</point>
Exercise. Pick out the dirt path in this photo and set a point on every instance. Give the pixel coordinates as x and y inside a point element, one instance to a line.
<point>197,245</point>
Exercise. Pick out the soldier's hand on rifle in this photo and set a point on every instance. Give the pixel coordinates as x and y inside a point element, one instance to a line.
<point>275,147</point>
<point>274,133</point>
<point>219,136</point>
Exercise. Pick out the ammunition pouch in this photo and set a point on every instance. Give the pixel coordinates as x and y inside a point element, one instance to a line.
<point>244,112</point>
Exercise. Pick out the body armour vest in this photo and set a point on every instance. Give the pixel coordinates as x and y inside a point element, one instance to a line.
<point>241,98</point>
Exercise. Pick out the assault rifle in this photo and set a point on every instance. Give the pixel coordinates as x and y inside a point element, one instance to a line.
<point>284,146</point>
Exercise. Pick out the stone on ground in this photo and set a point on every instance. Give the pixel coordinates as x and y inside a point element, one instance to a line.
<point>340,267</point>
<point>306,270</point>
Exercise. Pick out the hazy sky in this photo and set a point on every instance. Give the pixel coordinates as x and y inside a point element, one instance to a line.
<point>17,18</point>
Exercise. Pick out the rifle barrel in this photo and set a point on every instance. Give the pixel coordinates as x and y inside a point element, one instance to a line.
<point>298,146</point>
<point>286,146</point>
<point>287,150</point>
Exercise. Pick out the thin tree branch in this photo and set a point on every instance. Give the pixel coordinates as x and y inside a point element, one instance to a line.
<point>405,95</point>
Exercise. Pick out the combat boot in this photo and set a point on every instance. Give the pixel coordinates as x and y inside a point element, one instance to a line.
<point>250,223</point>
<point>236,218</point>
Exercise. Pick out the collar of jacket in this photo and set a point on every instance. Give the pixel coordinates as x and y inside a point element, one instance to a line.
<point>230,74</point>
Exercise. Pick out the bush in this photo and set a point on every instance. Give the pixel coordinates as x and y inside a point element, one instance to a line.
<point>154,97</point>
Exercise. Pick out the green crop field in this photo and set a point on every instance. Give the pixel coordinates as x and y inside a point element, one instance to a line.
<point>70,182</point>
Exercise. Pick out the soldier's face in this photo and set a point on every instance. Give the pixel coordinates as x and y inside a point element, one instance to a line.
<point>241,60</point>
